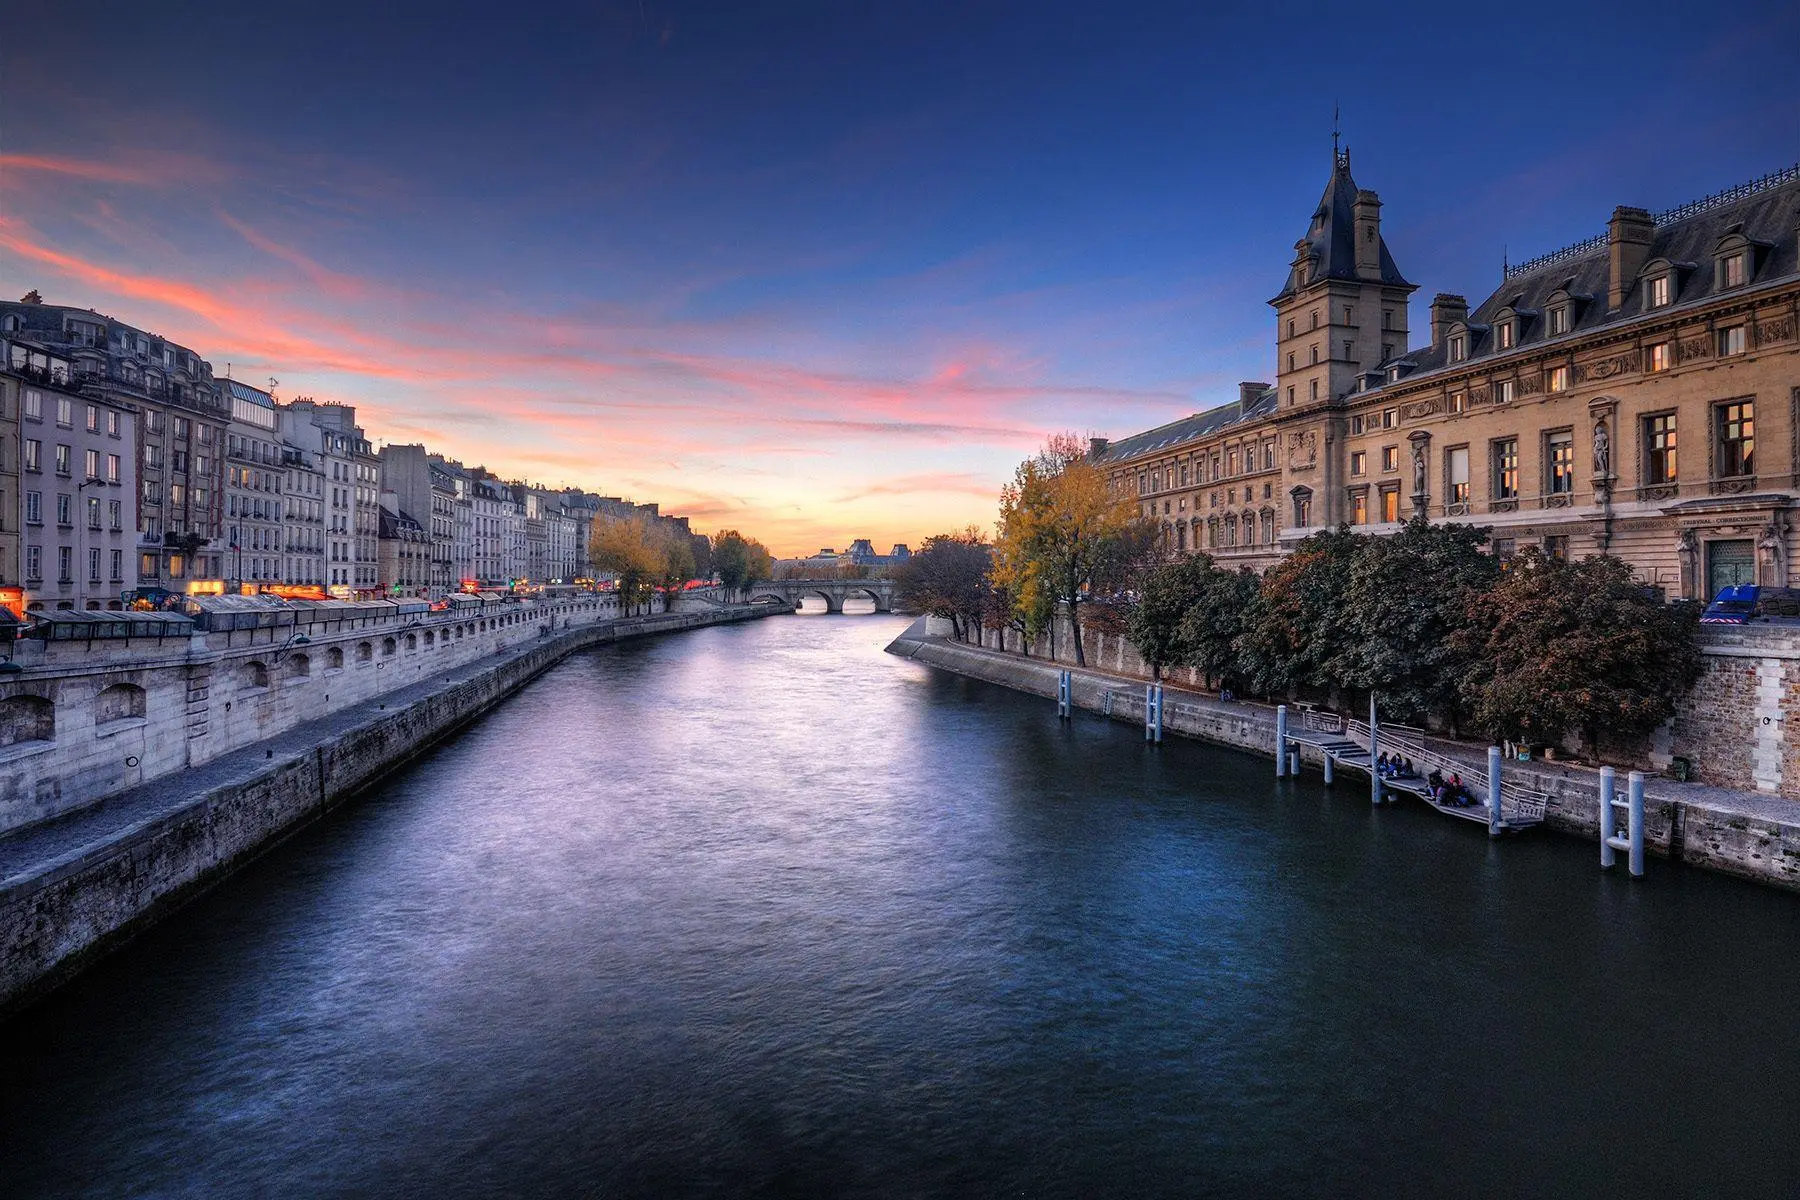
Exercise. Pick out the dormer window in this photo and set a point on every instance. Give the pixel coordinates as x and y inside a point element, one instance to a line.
<point>1459,347</point>
<point>1732,272</point>
<point>1557,320</point>
<point>1506,335</point>
<point>1657,292</point>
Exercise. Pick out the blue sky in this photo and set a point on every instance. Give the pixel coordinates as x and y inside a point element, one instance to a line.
<point>818,270</point>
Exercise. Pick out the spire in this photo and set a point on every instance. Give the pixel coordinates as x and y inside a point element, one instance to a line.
<point>1335,131</point>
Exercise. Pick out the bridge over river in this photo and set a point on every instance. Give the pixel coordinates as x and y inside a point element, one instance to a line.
<point>833,591</point>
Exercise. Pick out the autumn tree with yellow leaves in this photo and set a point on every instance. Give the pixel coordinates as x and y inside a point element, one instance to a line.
<point>1058,525</point>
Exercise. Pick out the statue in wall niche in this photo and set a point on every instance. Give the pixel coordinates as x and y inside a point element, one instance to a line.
<point>1771,552</point>
<point>1419,468</point>
<point>1602,450</point>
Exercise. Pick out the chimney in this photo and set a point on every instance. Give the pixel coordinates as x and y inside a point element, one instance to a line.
<point>1096,447</point>
<point>1248,392</point>
<point>1628,234</point>
<point>1366,218</point>
<point>1446,310</point>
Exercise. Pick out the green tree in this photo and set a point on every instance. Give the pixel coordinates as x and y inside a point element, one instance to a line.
<point>731,560</point>
<point>1226,605</point>
<point>674,559</point>
<point>1300,626</point>
<point>1157,622</point>
<point>1558,646</point>
<point>1405,598</point>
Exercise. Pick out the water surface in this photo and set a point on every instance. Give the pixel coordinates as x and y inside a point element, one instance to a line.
<point>760,911</point>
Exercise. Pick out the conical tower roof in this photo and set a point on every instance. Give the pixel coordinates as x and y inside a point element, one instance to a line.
<point>1328,251</point>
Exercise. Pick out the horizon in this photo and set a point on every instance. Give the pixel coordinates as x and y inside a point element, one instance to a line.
<point>813,274</point>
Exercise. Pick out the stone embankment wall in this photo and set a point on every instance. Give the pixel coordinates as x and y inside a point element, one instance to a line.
<point>83,721</point>
<point>62,912</point>
<point>1731,727</point>
<point>1752,836</point>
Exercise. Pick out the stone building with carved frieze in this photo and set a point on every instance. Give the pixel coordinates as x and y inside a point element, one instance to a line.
<point>1636,394</point>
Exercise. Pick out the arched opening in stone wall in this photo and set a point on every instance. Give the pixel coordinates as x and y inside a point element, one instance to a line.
<point>388,646</point>
<point>299,666</point>
<point>26,719</point>
<point>120,702</point>
<point>334,659</point>
<point>256,675</point>
<point>364,651</point>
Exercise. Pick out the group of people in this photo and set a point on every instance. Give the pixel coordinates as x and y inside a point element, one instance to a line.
<point>1449,791</point>
<point>1394,767</point>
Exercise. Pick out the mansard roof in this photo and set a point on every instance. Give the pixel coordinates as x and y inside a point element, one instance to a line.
<point>1330,242</point>
<point>1188,429</point>
<point>1765,212</point>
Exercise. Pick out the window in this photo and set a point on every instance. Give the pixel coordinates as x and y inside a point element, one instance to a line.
<point>94,564</point>
<point>1356,425</point>
<point>1557,380</point>
<point>112,468</point>
<point>65,564</point>
<point>1359,506</point>
<point>1390,505</point>
<point>1560,451</point>
<point>1459,347</point>
<point>1659,449</point>
<point>1290,328</point>
<point>177,566</point>
<point>1503,392</point>
<point>91,464</point>
<point>1656,292</point>
<point>34,562</point>
<point>1290,360</point>
<point>1458,463</point>
<point>147,566</point>
<point>1557,548</point>
<point>1268,456</point>
<point>1506,469</point>
<point>1732,270</point>
<point>64,509</point>
<point>34,404</point>
<point>62,459</point>
<point>1504,548</point>
<point>181,427</point>
<point>118,565</point>
<point>1737,438</point>
<point>1731,340</point>
<point>178,493</point>
<point>153,457</point>
<point>1356,462</point>
<point>34,455</point>
<point>152,492</point>
<point>65,411</point>
<point>1558,320</point>
<point>1315,319</point>
<point>1505,335</point>
<point>93,419</point>
<point>1290,390</point>
<point>1312,388</point>
<point>1390,417</point>
<point>34,508</point>
<point>93,512</point>
<point>1659,357</point>
<point>1312,355</point>
<point>115,515</point>
<point>112,424</point>
<point>1390,458</point>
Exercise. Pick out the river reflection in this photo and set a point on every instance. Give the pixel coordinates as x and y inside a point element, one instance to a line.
<point>762,911</point>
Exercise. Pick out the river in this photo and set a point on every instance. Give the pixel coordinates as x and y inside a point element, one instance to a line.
<point>761,911</point>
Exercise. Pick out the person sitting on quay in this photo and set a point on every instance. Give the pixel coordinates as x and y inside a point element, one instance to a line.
<point>1434,784</point>
<point>1381,765</point>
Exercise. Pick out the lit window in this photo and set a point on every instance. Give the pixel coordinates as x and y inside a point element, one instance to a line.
<point>1561,453</point>
<point>1557,380</point>
<point>1459,401</point>
<point>1505,335</point>
<point>1660,358</point>
<point>1506,469</point>
<point>1459,475</point>
<point>1660,450</point>
<point>1390,417</point>
<point>1559,320</point>
<point>1390,458</point>
<point>1656,291</point>
<point>91,464</point>
<point>1731,341</point>
<point>1737,438</point>
<point>1359,507</point>
<point>1356,462</point>
<point>1459,348</point>
<point>34,404</point>
<point>1503,392</point>
<point>1731,270</point>
<point>1390,505</point>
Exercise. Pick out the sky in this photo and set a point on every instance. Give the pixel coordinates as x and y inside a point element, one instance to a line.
<point>817,271</point>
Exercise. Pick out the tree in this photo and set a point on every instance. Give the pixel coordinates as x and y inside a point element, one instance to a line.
<point>947,578</point>
<point>731,560</point>
<point>1405,598</point>
<point>1155,623</point>
<point>629,548</point>
<point>1057,523</point>
<point>674,561</point>
<point>1227,604</point>
<point>1558,646</point>
<point>1301,625</point>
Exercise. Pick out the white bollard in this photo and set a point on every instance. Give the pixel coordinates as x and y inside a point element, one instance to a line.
<point>1494,823</point>
<point>1635,828</point>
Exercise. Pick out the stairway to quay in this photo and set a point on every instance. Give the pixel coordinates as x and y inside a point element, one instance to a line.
<point>1754,835</point>
<point>224,742</point>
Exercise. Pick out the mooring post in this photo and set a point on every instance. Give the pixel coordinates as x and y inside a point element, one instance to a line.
<point>1374,745</point>
<point>1494,824</point>
<point>1635,828</point>
<point>1328,765</point>
<point>1153,704</point>
<point>1606,817</point>
<point>1064,695</point>
<point>1281,741</point>
<point>1159,713</point>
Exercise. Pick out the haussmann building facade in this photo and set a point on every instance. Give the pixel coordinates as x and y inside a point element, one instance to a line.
<point>1637,394</point>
